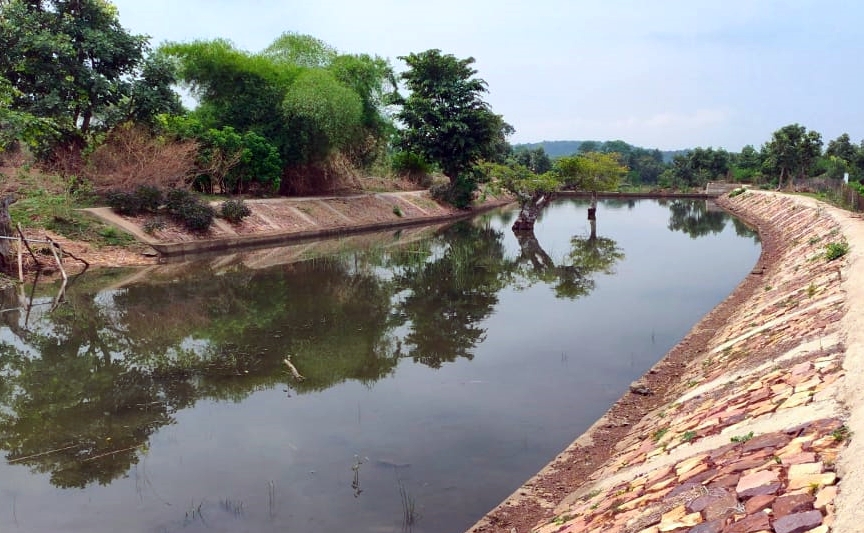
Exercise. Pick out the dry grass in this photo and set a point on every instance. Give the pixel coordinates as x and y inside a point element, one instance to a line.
<point>130,157</point>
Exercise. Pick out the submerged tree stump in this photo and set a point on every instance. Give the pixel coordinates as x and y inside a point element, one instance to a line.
<point>7,260</point>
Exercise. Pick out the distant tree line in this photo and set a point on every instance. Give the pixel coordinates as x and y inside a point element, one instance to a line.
<point>791,154</point>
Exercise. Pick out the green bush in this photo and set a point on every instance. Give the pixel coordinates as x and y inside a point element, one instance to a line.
<point>149,197</point>
<point>187,209</point>
<point>836,250</point>
<point>234,211</point>
<point>145,199</point>
<point>124,203</point>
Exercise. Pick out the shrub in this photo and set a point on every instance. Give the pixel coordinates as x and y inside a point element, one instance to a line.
<point>836,250</point>
<point>198,217</point>
<point>124,203</point>
<point>187,209</point>
<point>234,211</point>
<point>149,197</point>
<point>737,191</point>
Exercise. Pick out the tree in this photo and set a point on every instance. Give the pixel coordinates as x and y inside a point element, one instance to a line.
<point>445,118</point>
<point>591,171</point>
<point>299,94</point>
<point>532,191</point>
<point>697,167</point>
<point>791,152</point>
<point>69,60</point>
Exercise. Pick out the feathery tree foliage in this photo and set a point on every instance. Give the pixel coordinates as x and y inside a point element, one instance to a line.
<point>307,100</point>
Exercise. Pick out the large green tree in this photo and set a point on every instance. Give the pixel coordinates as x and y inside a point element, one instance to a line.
<point>72,62</point>
<point>445,118</point>
<point>299,94</point>
<point>791,152</point>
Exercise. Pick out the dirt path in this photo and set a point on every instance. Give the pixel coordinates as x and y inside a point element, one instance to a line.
<point>747,421</point>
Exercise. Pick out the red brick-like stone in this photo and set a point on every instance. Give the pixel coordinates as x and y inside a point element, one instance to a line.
<point>749,524</point>
<point>758,503</point>
<point>729,480</point>
<point>716,504</point>
<point>714,526</point>
<point>795,503</point>
<point>762,482</point>
<point>798,522</point>
<point>770,440</point>
<point>744,464</point>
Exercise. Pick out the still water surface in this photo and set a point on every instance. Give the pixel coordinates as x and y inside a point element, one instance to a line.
<point>442,368</point>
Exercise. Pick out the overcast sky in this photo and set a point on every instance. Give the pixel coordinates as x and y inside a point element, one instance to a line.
<point>670,74</point>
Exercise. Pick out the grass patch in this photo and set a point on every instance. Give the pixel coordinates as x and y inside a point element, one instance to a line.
<point>841,434</point>
<point>742,438</point>
<point>657,435</point>
<point>836,250</point>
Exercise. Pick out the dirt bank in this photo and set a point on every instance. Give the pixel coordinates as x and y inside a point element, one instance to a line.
<point>744,421</point>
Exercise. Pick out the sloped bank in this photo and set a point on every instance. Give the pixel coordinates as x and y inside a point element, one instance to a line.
<point>283,220</point>
<point>747,417</point>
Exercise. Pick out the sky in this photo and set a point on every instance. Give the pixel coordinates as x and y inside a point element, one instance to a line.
<point>670,75</point>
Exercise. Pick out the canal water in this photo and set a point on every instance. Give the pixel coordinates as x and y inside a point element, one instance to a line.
<point>441,367</point>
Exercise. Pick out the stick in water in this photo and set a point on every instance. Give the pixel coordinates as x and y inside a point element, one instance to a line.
<point>293,369</point>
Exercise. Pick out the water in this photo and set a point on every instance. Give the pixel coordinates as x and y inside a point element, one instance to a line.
<point>442,369</point>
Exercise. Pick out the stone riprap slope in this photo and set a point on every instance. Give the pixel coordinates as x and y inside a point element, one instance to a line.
<point>751,437</point>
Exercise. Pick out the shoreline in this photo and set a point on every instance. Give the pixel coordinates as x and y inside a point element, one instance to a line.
<point>628,444</point>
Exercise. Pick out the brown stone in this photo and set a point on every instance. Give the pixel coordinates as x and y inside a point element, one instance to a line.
<point>729,480</point>
<point>714,526</point>
<point>769,440</point>
<point>762,482</point>
<point>813,480</point>
<point>758,503</point>
<point>749,524</point>
<point>825,496</point>
<point>798,522</point>
<point>704,477</point>
<point>745,464</point>
<point>720,507</point>
<point>799,458</point>
<point>786,505</point>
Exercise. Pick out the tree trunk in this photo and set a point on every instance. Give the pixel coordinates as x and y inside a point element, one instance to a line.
<point>592,209</point>
<point>7,261</point>
<point>530,210</point>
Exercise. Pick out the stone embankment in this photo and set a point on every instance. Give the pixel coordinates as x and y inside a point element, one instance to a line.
<point>759,430</point>
<point>281,220</point>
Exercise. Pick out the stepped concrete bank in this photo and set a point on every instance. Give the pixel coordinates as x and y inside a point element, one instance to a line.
<point>752,423</point>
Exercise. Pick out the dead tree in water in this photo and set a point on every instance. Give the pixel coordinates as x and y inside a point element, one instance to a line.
<point>7,262</point>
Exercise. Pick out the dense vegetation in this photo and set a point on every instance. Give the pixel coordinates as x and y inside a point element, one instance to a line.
<point>792,157</point>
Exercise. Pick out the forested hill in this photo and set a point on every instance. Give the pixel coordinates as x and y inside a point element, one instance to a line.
<point>561,148</point>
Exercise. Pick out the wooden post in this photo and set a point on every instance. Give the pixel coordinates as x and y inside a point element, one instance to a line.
<point>20,260</point>
<point>6,261</point>
<point>53,245</point>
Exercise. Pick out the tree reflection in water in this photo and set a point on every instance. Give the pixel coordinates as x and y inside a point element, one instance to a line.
<point>83,388</point>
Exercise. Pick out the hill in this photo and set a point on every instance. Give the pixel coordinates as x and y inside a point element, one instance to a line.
<point>562,148</point>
